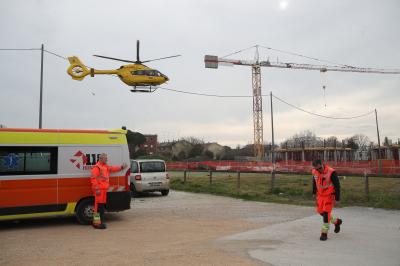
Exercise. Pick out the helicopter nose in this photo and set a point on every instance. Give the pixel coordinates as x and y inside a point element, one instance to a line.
<point>166,78</point>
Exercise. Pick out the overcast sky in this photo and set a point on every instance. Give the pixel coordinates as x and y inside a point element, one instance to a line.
<point>357,33</point>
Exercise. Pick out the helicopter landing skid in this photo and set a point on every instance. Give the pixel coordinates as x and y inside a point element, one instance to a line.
<point>144,88</point>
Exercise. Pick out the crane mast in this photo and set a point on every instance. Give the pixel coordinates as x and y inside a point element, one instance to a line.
<point>212,61</point>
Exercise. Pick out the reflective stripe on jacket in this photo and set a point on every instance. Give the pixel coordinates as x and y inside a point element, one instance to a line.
<point>100,178</point>
<point>323,181</point>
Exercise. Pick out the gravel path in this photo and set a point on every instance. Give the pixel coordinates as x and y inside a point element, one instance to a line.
<point>180,229</point>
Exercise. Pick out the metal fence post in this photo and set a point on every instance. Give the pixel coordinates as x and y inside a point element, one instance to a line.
<point>184,177</point>
<point>210,173</point>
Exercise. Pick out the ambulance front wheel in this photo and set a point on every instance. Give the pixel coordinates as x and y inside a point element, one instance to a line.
<point>84,211</point>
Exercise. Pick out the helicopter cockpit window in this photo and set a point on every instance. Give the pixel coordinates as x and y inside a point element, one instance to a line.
<point>138,72</point>
<point>150,73</point>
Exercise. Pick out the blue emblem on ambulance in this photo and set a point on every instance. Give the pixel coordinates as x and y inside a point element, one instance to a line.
<point>11,160</point>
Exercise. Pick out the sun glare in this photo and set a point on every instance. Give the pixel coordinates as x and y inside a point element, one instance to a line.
<point>283,4</point>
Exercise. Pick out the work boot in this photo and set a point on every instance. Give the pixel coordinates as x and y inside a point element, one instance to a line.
<point>337,225</point>
<point>323,237</point>
<point>99,226</point>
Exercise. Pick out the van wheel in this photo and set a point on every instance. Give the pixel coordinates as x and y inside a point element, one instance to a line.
<point>134,193</point>
<point>165,192</point>
<point>84,211</point>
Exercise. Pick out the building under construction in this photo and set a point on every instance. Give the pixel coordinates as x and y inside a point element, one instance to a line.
<point>335,154</point>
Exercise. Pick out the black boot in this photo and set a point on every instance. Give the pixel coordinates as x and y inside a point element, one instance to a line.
<point>323,237</point>
<point>99,226</point>
<point>337,225</point>
<point>101,211</point>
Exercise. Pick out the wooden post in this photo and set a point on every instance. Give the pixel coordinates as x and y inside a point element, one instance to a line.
<point>184,177</point>
<point>272,180</point>
<point>210,173</point>
<point>366,185</point>
<point>238,181</point>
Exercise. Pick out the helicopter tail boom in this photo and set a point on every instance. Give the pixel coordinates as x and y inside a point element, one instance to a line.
<point>77,70</point>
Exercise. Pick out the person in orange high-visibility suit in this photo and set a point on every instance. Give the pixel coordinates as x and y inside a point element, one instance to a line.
<point>100,180</point>
<point>326,186</point>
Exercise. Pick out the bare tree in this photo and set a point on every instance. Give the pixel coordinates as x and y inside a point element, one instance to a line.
<point>306,138</point>
<point>193,140</point>
<point>361,141</point>
<point>332,141</point>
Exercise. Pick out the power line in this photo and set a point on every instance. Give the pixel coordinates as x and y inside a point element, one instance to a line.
<point>285,102</point>
<point>52,53</point>
<point>207,95</point>
<point>224,96</point>
<point>19,49</point>
<point>324,116</point>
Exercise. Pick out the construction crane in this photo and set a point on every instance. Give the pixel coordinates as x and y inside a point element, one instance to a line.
<point>212,61</point>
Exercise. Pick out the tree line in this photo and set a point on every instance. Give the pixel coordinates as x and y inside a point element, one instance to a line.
<point>192,148</point>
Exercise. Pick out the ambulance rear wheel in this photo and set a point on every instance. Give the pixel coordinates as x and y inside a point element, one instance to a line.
<point>84,211</point>
<point>134,193</point>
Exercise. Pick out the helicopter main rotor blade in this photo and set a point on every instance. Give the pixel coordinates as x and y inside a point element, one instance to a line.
<point>160,58</point>
<point>112,58</point>
<point>137,51</point>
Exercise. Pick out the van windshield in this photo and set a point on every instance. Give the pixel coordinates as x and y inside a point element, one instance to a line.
<point>151,167</point>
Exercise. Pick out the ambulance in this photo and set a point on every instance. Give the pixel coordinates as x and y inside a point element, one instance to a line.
<point>46,172</point>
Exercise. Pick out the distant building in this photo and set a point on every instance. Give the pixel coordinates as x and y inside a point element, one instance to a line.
<point>309,154</point>
<point>390,152</point>
<point>150,146</point>
<point>217,150</point>
<point>165,149</point>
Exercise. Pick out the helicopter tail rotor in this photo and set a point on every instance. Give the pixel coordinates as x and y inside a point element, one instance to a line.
<point>77,70</point>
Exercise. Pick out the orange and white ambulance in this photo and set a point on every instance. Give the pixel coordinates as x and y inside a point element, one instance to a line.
<point>46,172</point>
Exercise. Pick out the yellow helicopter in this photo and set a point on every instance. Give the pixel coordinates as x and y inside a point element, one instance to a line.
<point>140,77</point>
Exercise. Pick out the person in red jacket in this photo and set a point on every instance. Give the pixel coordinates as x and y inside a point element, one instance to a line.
<point>326,186</point>
<point>100,180</point>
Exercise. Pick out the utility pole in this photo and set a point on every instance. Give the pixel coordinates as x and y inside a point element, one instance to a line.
<point>41,88</point>
<point>379,144</point>
<point>377,132</point>
<point>272,147</point>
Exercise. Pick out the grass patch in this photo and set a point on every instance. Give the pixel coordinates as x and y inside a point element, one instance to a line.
<point>289,189</point>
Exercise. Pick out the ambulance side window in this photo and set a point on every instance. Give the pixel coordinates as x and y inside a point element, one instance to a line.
<point>28,160</point>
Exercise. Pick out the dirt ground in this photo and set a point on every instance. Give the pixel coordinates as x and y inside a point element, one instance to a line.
<point>180,229</point>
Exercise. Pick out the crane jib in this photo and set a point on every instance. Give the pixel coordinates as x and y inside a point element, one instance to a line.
<point>213,62</point>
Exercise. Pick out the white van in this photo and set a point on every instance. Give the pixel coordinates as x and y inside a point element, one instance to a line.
<point>149,176</point>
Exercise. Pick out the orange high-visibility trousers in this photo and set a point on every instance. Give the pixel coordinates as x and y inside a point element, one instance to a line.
<point>325,204</point>
<point>100,197</point>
